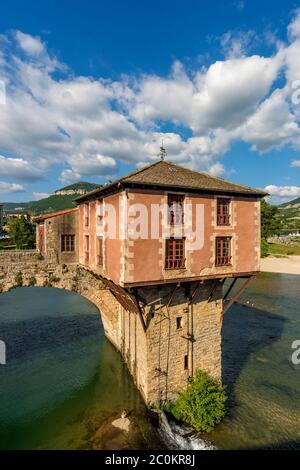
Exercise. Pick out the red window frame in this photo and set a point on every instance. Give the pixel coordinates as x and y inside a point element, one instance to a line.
<point>223,211</point>
<point>223,251</point>
<point>175,253</point>
<point>175,209</point>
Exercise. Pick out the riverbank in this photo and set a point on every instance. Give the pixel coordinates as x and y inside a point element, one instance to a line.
<point>283,265</point>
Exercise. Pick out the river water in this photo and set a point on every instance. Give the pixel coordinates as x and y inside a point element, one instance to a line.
<point>64,383</point>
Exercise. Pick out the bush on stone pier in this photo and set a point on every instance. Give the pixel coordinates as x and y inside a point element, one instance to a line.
<point>201,404</point>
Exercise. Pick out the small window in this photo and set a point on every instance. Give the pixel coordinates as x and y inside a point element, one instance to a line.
<point>86,215</point>
<point>175,253</point>
<point>175,209</point>
<point>87,248</point>
<point>223,251</point>
<point>100,251</point>
<point>186,362</point>
<point>68,243</point>
<point>178,323</point>
<point>223,211</point>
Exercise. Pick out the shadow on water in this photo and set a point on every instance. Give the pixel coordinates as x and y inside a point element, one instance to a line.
<point>245,329</point>
<point>26,338</point>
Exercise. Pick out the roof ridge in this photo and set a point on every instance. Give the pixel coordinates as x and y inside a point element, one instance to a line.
<point>217,178</point>
<point>139,170</point>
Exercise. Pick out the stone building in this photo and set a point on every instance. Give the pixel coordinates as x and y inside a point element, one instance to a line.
<point>57,235</point>
<point>167,318</point>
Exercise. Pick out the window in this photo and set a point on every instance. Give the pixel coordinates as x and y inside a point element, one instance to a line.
<point>175,253</point>
<point>223,251</point>
<point>68,243</point>
<point>223,215</point>
<point>175,212</point>
<point>178,323</point>
<point>186,362</point>
<point>86,215</point>
<point>100,251</point>
<point>87,248</point>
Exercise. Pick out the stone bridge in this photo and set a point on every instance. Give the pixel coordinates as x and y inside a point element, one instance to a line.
<point>163,333</point>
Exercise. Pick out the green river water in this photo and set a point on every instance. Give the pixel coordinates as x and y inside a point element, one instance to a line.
<point>64,383</point>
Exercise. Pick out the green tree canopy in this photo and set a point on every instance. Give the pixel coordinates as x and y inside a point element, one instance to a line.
<point>21,232</point>
<point>270,222</point>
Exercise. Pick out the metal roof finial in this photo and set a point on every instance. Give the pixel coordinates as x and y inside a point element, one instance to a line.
<point>162,151</point>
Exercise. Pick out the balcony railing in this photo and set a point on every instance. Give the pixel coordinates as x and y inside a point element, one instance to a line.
<point>176,217</point>
<point>175,263</point>
<point>223,260</point>
<point>223,219</point>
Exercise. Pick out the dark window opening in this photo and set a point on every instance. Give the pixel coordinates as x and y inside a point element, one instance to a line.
<point>87,248</point>
<point>178,323</point>
<point>175,206</point>
<point>175,253</point>
<point>68,243</point>
<point>100,251</point>
<point>86,215</point>
<point>186,362</point>
<point>223,251</point>
<point>223,211</point>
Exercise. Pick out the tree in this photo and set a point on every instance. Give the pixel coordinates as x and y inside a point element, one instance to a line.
<point>270,222</point>
<point>21,232</point>
<point>202,404</point>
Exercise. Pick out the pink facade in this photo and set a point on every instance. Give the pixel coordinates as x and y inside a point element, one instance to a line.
<point>131,261</point>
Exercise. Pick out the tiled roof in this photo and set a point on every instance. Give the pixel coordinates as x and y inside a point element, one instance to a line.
<point>166,174</point>
<point>54,214</point>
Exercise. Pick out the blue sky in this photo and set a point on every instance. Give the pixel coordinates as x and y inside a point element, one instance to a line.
<point>92,88</point>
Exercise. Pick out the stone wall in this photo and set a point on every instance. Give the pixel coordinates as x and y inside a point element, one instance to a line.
<point>161,353</point>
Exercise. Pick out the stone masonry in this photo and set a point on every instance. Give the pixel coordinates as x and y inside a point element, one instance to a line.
<point>178,329</point>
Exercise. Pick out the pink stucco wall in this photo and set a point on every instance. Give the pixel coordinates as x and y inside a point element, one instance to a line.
<point>129,261</point>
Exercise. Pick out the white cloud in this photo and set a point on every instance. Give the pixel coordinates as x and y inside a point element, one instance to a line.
<point>37,196</point>
<point>31,45</point>
<point>295,163</point>
<point>18,168</point>
<point>8,188</point>
<point>294,26</point>
<point>87,125</point>
<point>283,191</point>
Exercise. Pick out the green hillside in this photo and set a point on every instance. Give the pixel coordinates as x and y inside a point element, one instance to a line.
<point>289,214</point>
<point>79,186</point>
<point>52,203</point>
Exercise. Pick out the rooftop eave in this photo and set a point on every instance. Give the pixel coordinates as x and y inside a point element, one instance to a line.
<point>114,188</point>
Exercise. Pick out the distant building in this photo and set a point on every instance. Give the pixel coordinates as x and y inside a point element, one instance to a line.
<point>17,213</point>
<point>57,234</point>
<point>70,192</point>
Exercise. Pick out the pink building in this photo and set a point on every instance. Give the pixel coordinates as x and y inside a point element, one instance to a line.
<point>165,223</point>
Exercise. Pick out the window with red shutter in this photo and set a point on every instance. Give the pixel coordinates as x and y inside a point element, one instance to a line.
<point>223,211</point>
<point>175,205</point>
<point>223,251</point>
<point>175,253</point>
